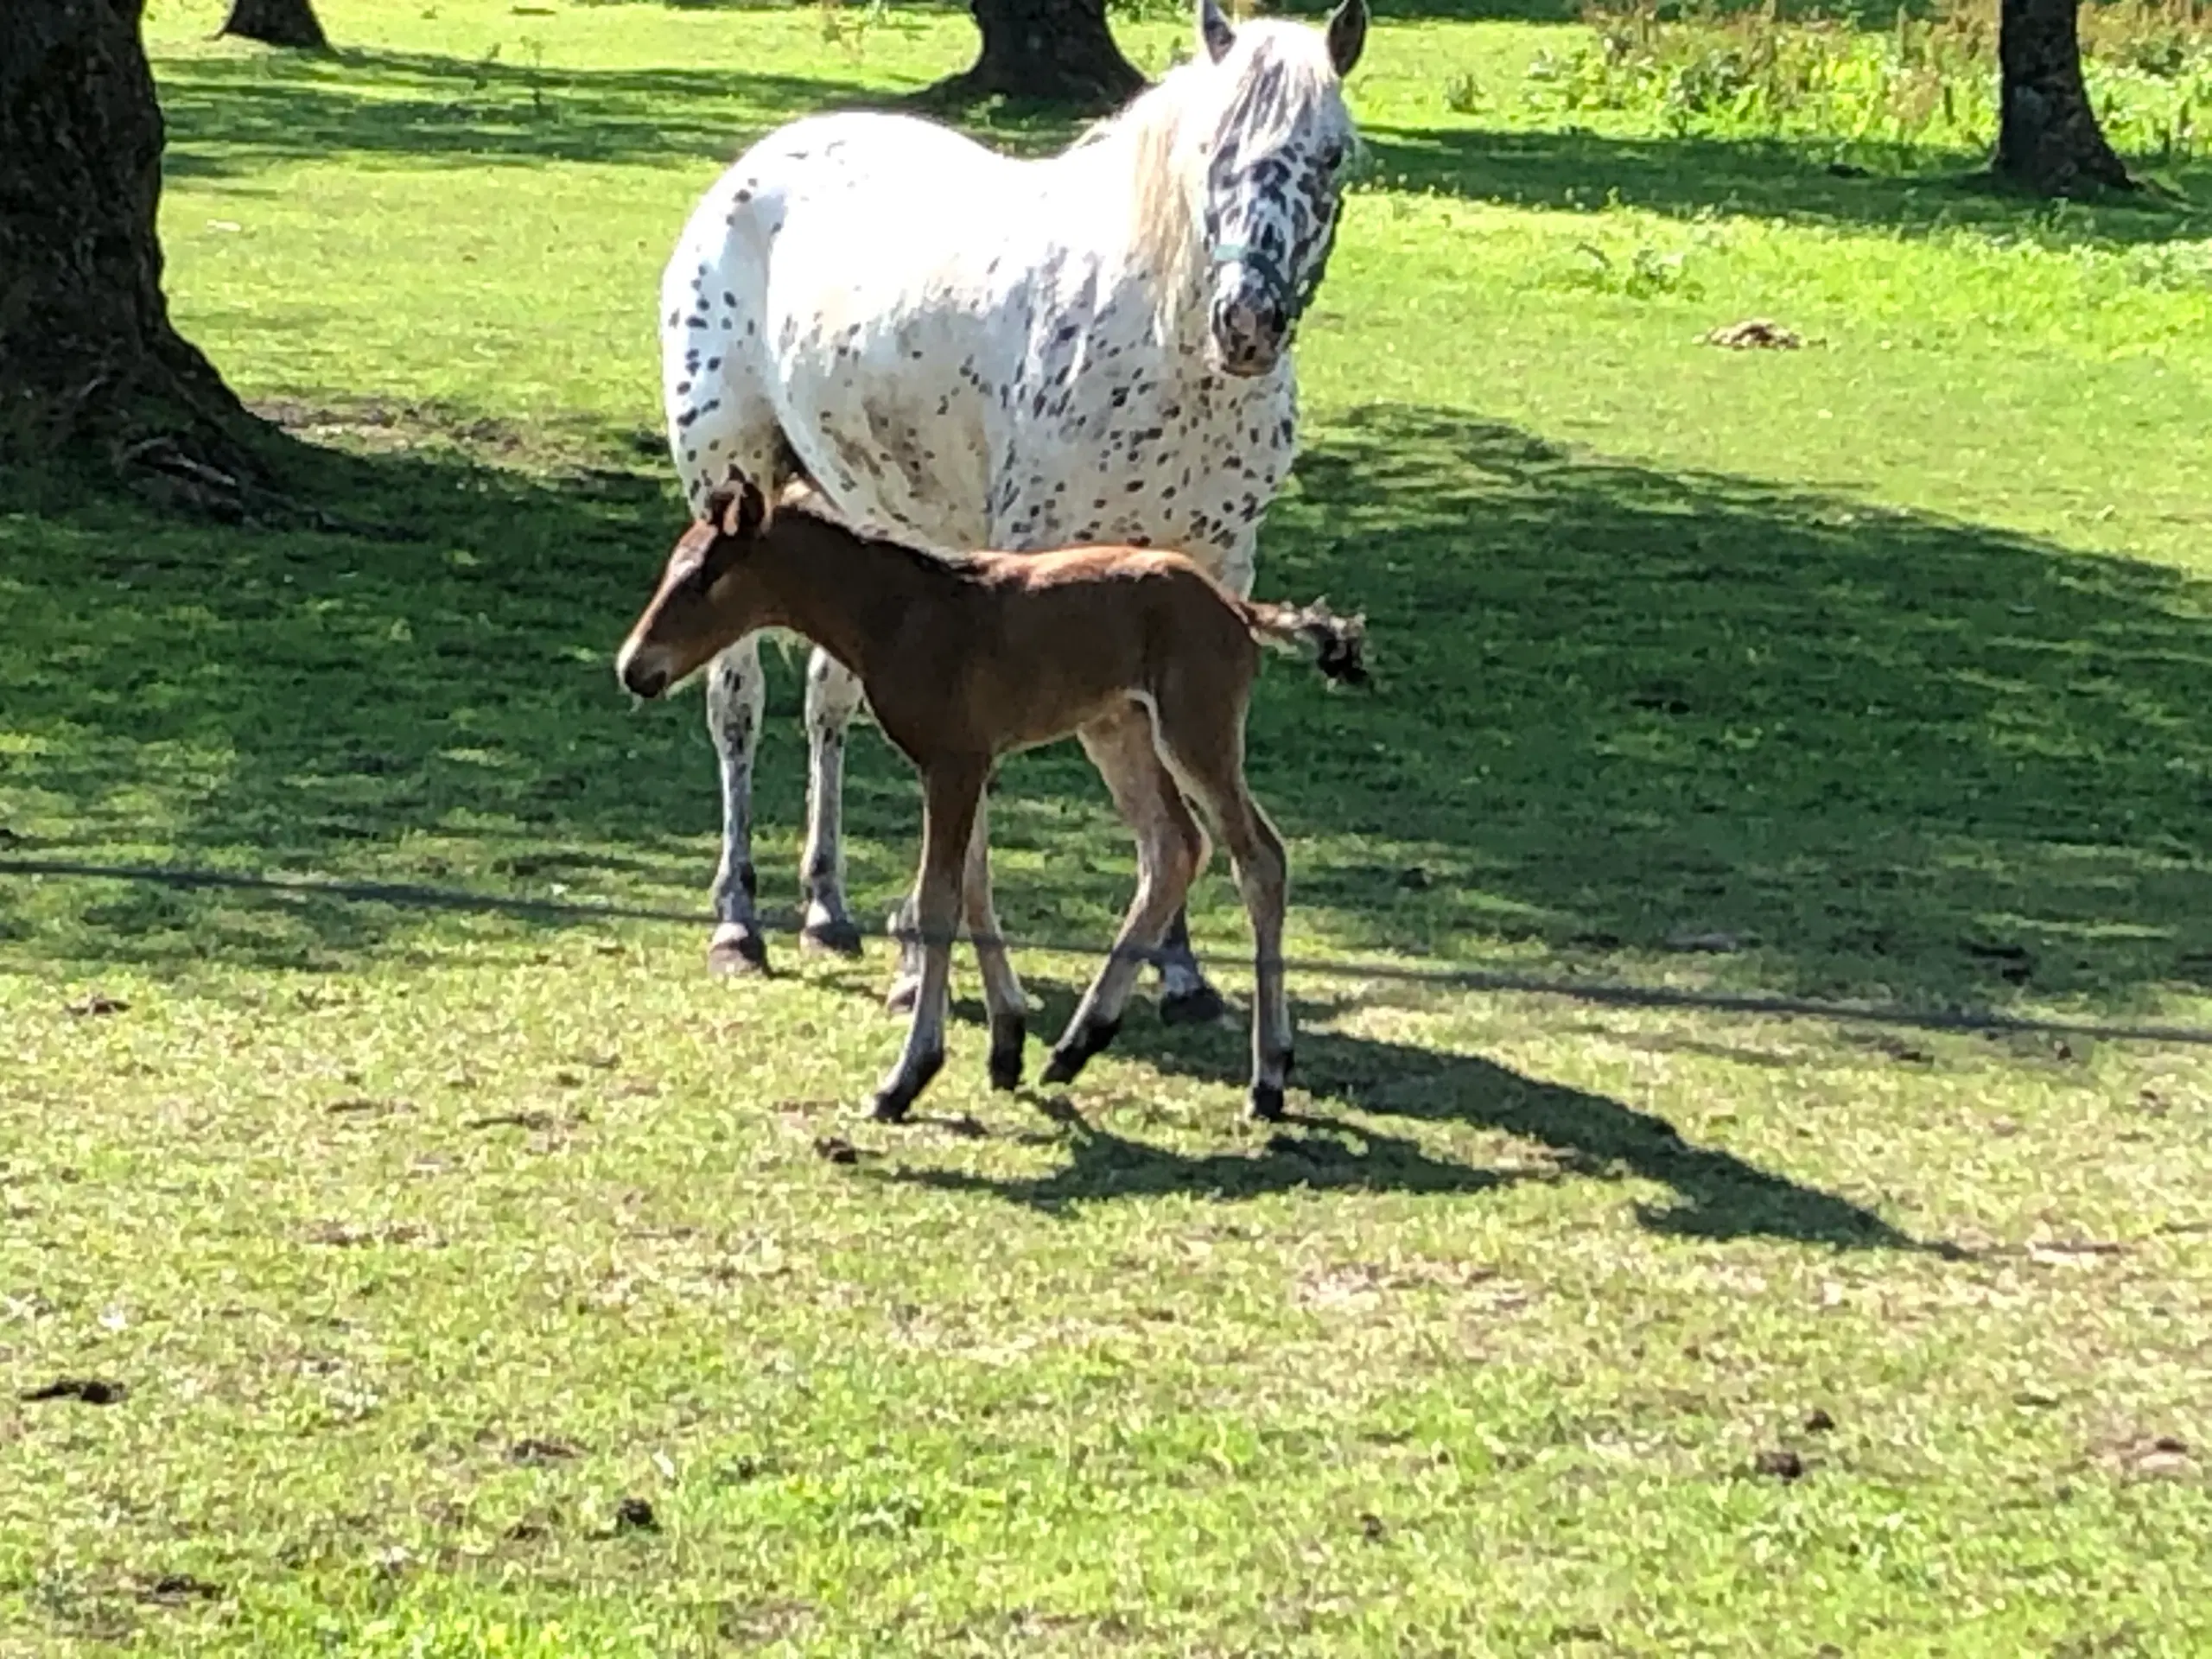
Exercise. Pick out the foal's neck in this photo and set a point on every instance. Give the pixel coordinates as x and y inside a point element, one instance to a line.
<point>849,594</point>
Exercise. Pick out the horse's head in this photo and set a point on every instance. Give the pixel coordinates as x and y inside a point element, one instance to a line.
<point>1274,175</point>
<point>697,610</point>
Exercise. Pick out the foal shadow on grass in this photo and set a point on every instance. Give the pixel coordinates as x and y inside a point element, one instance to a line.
<point>1716,1195</point>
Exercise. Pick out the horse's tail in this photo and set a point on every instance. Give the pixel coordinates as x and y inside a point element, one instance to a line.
<point>1337,643</point>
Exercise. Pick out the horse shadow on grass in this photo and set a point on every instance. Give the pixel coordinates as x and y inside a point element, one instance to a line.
<point>1363,1083</point>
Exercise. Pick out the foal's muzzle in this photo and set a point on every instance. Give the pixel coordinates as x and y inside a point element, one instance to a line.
<point>640,672</point>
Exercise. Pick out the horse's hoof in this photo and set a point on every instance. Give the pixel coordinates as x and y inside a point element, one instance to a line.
<point>902,996</point>
<point>1007,1037</point>
<point>737,951</point>
<point>1062,1065</point>
<point>840,937</point>
<point>1267,1101</point>
<point>904,1089</point>
<point>890,1105</point>
<point>1201,1007</point>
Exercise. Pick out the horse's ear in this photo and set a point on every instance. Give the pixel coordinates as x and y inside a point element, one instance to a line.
<point>1347,35</point>
<point>1214,32</point>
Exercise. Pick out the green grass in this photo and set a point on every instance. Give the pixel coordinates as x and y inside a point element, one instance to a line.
<point>422,1237</point>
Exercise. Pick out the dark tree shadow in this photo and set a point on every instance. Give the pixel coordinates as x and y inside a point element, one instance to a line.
<point>1886,755</point>
<point>1791,181</point>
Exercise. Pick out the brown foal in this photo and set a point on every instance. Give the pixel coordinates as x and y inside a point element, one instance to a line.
<point>967,660</point>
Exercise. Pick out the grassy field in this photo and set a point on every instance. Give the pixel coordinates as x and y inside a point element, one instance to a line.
<point>461,1272</point>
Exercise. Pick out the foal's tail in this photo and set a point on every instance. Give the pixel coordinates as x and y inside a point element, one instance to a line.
<point>1336,642</point>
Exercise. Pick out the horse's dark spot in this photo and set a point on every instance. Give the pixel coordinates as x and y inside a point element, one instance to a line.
<point>687,417</point>
<point>744,196</point>
<point>683,386</point>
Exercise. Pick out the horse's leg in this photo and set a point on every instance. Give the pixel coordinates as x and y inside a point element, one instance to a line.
<point>1204,745</point>
<point>1170,850</point>
<point>950,792</point>
<point>1185,998</point>
<point>833,696</point>
<point>734,692</point>
<point>1002,997</point>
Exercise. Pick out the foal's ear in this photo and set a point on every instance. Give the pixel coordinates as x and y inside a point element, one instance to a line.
<point>1214,32</point>
<point>744,510</point>
<point>1347,36</point>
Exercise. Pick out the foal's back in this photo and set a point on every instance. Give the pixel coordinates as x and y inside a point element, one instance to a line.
<point>1049,641</point>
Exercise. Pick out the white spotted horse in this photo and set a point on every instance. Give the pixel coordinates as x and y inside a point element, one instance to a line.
<point>959,349</point>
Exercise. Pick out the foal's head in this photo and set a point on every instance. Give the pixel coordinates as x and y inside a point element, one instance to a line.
<point>1275,176</point>
<point>702,605</point>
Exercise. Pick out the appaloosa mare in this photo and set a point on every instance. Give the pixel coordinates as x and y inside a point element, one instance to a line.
<point>966,660</point>
<point>963,350</point>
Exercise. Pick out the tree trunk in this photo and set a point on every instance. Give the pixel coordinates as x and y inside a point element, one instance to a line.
<point>2048,140</point>
<point>276,23</point>
<point>1054,51</point>
<point>88,358</point>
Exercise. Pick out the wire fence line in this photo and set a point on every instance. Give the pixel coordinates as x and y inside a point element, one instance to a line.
<point>1441,975</point>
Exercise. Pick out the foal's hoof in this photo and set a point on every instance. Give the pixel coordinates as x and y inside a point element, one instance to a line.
<point>903,991</point>
<point>892,1101</point>
<point>1073,1051</point>
<point>737,950</point>
<point>1267,1101</point>
<point>1006,1038</point>
<point>1200,1007</point>
<point>837,938</point>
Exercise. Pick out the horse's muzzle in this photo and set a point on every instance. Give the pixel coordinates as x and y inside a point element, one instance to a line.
<point>639,672</point>
<point>1249,332</point>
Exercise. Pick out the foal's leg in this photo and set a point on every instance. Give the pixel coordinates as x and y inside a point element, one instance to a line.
<point>949,793</point>
<point>1204,745</point>
<point>833,695</point>
<point>1170,849</point>
<point>1002,998</point>
<point>1185,998</point>
<point>735,691</point>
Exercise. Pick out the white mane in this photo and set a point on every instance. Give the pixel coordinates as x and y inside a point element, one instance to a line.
<point>1276,77</point>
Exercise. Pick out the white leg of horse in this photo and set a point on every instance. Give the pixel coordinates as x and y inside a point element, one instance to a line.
<point>1170,850</point>
<point>833,696</point>
<point>950,794</point>
<point>734,692</point>
<point>1003,1000</point>
<point>1185,998</point>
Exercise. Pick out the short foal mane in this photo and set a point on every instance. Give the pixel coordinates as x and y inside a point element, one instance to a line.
<point>1168,134</point>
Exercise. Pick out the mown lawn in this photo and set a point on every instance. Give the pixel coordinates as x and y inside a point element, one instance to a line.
<point>464,1265</point>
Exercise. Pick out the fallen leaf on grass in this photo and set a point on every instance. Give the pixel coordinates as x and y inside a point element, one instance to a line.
<point>174,1589</point>
<point>92,1390</point>
<point>513,1121</point>
<point>836,1149</point>
<point>536,1451</point>
<point>98,1002</point>
<point>1755,333</point>
<point>1780,1463</point>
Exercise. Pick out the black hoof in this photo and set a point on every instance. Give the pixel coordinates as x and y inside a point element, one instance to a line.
<point>839,938</point>
<point>892,1099</point>
<point>1202,1006</point>
<point>1007,1037</point>
<point>1073,1051</point>
<point>738,951</point>
<point>1267,1101</point>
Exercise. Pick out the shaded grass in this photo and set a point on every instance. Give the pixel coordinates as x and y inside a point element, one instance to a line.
<point>427,1244</point>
